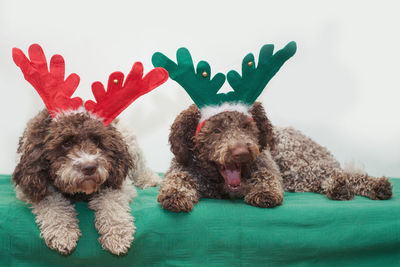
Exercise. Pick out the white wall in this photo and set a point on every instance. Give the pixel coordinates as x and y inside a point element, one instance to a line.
<point>342,87</point>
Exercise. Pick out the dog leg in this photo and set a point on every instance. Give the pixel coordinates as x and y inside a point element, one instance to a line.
<point>58,223</point>
<point>319,176</point>
<point>371,187</point>
<point>113,218</point>
<point>266,190</point>
<point>343,185</point>
<point>178,192</point>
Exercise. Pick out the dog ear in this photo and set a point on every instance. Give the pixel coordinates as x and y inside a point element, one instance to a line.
<point>32,172</point>
<point>181,137</point>
<point>117,149</point>
<point>265,136</point>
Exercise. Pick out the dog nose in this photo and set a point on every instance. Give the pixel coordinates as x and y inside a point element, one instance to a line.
<point>89,169</point>
<point>241,154</point>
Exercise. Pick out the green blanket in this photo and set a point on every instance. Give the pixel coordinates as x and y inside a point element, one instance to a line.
<point>307,230</point>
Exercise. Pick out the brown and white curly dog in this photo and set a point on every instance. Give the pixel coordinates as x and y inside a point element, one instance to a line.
<point>237,156</point>
<point>76,157</point>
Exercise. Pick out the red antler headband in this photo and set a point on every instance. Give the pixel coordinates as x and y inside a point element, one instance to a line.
<point>56,92</point>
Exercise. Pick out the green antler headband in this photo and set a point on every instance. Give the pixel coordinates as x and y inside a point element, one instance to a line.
<point>246,88</point>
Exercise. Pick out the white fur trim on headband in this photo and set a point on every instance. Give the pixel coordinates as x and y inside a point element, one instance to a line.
<point>209,111</point>
<point>76,111</point>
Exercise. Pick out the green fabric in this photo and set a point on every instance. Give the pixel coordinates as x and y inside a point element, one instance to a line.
<point>246,88</point>
<point>307,230</point>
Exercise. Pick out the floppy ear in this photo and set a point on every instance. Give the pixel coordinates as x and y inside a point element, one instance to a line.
<point>265,136</point>
<point>32,172</point>
<point>117,149</point>
<point>181,137</point>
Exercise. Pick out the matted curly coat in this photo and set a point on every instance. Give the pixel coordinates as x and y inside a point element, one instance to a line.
<point>236,156</point>
<point>76,157</point>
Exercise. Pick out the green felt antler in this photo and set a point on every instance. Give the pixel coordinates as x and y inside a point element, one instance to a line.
<point>254,79</point>
<point>246,88</point>
<point>199,85</point>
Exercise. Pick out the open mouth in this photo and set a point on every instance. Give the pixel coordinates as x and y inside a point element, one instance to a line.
<point>232,176</point>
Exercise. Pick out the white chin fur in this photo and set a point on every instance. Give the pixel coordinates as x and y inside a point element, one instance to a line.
<point>209,111</point>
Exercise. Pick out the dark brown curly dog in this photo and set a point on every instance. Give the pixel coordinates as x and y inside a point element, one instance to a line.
<point>235,156</point>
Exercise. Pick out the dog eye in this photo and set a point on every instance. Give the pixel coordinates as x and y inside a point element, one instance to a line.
<point>245,126</point>
<point>217,131</point>
<point>95,140</point>
<point>67,144</point>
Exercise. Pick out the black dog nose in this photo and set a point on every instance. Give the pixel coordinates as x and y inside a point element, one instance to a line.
<point>241,154</point>
<point>88,169</point>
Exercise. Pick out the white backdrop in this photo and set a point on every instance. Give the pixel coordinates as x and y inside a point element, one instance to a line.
<point>342,87</point>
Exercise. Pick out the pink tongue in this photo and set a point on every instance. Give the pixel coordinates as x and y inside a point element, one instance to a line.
<point>232,176</point>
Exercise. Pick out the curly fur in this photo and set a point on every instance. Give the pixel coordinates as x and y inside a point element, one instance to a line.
<point>268,159</point>
<point>75,157</point>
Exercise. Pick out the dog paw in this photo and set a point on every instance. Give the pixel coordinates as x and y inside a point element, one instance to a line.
<point>118,240</point>
<point>381,190</point>
<point>340,189</point>
<point>264,199</point>
<point>147,178</point>
<point>64,241</point>
<point>152,179</point>
<point>176,201</point>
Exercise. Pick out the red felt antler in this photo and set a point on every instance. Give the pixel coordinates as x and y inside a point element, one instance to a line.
<point>51,86</point>
<point>120,95</point>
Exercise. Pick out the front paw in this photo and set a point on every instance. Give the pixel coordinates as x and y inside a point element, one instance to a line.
<point>118,238</point>
<point>177,200</point>
<point>264,199</point>
<point>64,239</point>
<point>382,189</point>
